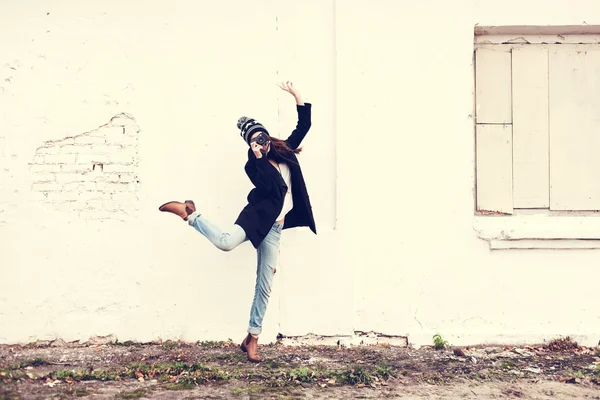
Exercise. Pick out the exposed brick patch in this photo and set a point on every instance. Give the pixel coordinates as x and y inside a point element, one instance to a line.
<point>93,174</point>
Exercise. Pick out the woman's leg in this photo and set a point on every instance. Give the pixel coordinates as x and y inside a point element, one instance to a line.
<point>224,240</point>
<point>267,256</point>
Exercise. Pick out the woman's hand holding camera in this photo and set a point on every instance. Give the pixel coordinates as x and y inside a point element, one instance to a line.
<point>257,149</point>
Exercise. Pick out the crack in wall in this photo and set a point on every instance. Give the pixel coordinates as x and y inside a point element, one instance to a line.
<point>93,174</point>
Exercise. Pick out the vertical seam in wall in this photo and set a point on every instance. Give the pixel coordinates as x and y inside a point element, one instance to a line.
<point>475,128</point>
<point>549,128</point>
<point>512,133</point>
<point>335,114</point>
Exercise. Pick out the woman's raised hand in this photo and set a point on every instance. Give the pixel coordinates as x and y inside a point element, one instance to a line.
<point>289,87</point>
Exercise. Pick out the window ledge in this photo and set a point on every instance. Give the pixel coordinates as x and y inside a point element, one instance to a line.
<point>539,231</point>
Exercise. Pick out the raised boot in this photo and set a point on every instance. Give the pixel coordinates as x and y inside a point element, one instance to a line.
<point>252,349</point>
<point>182,210</point>
<point>243,345</point>
<point>250,345</point>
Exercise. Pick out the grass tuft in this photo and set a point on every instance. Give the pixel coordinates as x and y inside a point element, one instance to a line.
<point>439,343</point>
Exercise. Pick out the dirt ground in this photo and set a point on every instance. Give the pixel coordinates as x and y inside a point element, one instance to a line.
<point>217,370</point>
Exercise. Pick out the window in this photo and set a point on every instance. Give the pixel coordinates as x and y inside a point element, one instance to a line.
<point>537,130</point>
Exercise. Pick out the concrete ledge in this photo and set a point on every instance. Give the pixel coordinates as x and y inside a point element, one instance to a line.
<point>539,231</point>
<point>558,244</point>
<point>537,30</point>
<point>357,339</point>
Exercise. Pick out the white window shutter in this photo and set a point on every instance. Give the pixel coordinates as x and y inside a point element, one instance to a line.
<point>494,168</point>
<point>493,86</point>
<point>574,129</point>
<point>531,175</point>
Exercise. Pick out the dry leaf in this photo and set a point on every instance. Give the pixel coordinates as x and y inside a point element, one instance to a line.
<point>141,379</point>
<point>139,374</point>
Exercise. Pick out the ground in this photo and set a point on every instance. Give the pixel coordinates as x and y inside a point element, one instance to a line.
<point>219,370</point>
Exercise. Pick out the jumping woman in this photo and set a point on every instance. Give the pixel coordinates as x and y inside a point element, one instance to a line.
<point>278,201</point>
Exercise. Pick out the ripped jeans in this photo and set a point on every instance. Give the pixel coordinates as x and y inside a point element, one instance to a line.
<point>267,255</point>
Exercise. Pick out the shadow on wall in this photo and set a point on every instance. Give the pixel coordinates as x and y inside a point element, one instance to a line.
<point>94,175</point>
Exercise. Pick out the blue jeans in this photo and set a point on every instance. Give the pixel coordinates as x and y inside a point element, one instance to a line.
<point>267,255</point>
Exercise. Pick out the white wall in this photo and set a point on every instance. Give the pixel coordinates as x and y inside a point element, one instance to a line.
<point>392,88</point>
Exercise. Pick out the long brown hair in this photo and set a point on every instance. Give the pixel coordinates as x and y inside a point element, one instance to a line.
<point>281,146</point>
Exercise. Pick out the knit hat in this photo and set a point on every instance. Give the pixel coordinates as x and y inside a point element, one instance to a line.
<point>249,127</point>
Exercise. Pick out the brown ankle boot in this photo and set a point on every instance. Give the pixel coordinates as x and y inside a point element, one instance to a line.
<point>243,345</point>
<point>250,346</point>
<point>182,210</point>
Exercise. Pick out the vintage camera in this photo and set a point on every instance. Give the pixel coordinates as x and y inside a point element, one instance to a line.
<point>261,139</point>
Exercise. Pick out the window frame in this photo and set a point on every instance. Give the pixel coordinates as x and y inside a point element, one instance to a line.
<point>534,228</point>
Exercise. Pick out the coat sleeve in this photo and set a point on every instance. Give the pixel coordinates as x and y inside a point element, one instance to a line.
<point>302,127</point>
<point>256,169</point>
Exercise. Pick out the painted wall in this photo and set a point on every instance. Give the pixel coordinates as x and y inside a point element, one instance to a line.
<point>389,164</point>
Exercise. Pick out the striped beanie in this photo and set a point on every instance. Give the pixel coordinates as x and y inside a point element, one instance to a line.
<point>249,127</point>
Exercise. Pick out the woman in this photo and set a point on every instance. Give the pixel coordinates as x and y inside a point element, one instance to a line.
<point>278,201</point>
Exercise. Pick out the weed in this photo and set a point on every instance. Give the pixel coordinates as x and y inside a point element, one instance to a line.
<point>170,345</point>
<point>36,362</point>
<point>237,391</point>
<point>507,365</point>
<point>144,368</point>
<point>62,374</point>
<point>320,367</point>
<point>354,376</point>
<point>302,374</point>
<point>439,343</point>
<point>211,344</point>
<point>254,389</point>
<point>125,343</point>
<point>384,371</point>
<point>579,374</point>
<point>132,395</point>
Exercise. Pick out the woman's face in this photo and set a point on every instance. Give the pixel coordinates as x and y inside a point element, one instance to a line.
<point>264,146</point>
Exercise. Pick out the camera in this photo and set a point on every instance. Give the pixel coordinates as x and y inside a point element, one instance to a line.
<point>261,139</point>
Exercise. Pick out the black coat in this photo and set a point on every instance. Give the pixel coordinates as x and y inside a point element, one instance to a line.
<point>265,201</point>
